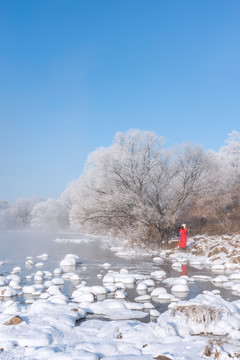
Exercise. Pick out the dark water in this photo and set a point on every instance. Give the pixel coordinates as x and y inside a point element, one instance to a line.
<point>16,246</point>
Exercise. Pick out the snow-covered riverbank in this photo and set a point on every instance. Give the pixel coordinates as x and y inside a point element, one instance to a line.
<point>53,325</point>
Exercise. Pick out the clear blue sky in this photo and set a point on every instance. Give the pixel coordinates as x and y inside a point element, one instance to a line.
<point>73,73</point>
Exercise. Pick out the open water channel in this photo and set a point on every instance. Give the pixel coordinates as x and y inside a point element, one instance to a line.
<point>94,252</point>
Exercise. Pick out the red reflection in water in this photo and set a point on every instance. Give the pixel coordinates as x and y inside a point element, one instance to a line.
<point>184,270</point>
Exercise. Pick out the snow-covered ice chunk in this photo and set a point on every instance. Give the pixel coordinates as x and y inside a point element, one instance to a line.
<point>43,256</point>
<point>148,306</point>
<point>180,288</point>
<point>44,296</point>
<point>236,288</point>
<point>70,260</point>
<point>7,291</point>
<point>15,285</point>
<point>120,285</point>
<point>47,274</point>
<point>157,291</point>
<point>220,279</point>
<point>39,264</point>
<point>158,274</point>
<point>124,271</point>
<point>110,287</point>
<point>75,278</point>
<point>81,297</point>
<point>58,299</point>
<point>29,263</point>
<point>14,277</point>
<point>114,277</point>
<point>149,282</point>
<point>108,278</point>
<point>106,265</point>
<point>143,298</point>
<point>58,281</point>
<point>38,278</point>
<point>100,290</point>
<point>3,281</point>
<point>48,283</point>
<point>28,289</point>
<point>119,294</point>
<point>235,276</point>
<point>154,313</point>
<point>141,287</point>
<point>57,271</point>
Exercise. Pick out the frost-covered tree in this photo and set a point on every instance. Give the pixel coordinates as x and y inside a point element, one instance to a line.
<point>17,214</point>
<point>50,214</point>
<point>219,211</point>
<point>136,187</point>
<point>231,153</point>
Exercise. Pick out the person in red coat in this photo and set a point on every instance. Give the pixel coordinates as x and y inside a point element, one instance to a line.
<point>182,240</point>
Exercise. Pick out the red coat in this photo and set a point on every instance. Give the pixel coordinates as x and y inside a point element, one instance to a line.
<point>182,240</point>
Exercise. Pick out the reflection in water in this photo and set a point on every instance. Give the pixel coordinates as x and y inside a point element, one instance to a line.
<point>184,270</point>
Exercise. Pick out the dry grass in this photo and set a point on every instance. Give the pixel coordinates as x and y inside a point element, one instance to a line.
<point>197,313</point>
<point>236,260</point>
<point>214,349</point>
<point>216,250</point>
<point>213,247</point>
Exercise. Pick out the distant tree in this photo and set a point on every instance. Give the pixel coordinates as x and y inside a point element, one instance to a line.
<point>218,211</point>
<point>17,214</point>
<point>136,188</point>
<point>231,153</point>
<point>50,214</point>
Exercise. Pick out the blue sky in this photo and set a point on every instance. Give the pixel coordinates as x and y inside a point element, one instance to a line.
<point>73,73</point>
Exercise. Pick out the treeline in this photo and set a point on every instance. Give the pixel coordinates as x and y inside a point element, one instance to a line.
<point>138,189</point>
<point>35,213</point>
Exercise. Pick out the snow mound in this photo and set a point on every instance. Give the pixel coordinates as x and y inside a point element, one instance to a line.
<point>206,313</point>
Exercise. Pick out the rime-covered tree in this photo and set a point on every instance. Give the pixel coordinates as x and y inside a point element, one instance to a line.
<point>50,214</point>
<point>231,153</point>
<point>136,187</point>
<point>17,214</point>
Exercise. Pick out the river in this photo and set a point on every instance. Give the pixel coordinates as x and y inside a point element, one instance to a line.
<point>16,246</point>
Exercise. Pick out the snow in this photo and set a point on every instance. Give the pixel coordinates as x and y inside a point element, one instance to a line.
<point>3,281</point>
<point>142,286</point>
<point>220,279</point>
<point>113,329</point>
<point>180,288</point>
<point>70,260</point>
<point>158,291</point>
<point>114,277</point>
<point>235,276</point>
<point>158,274</point>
